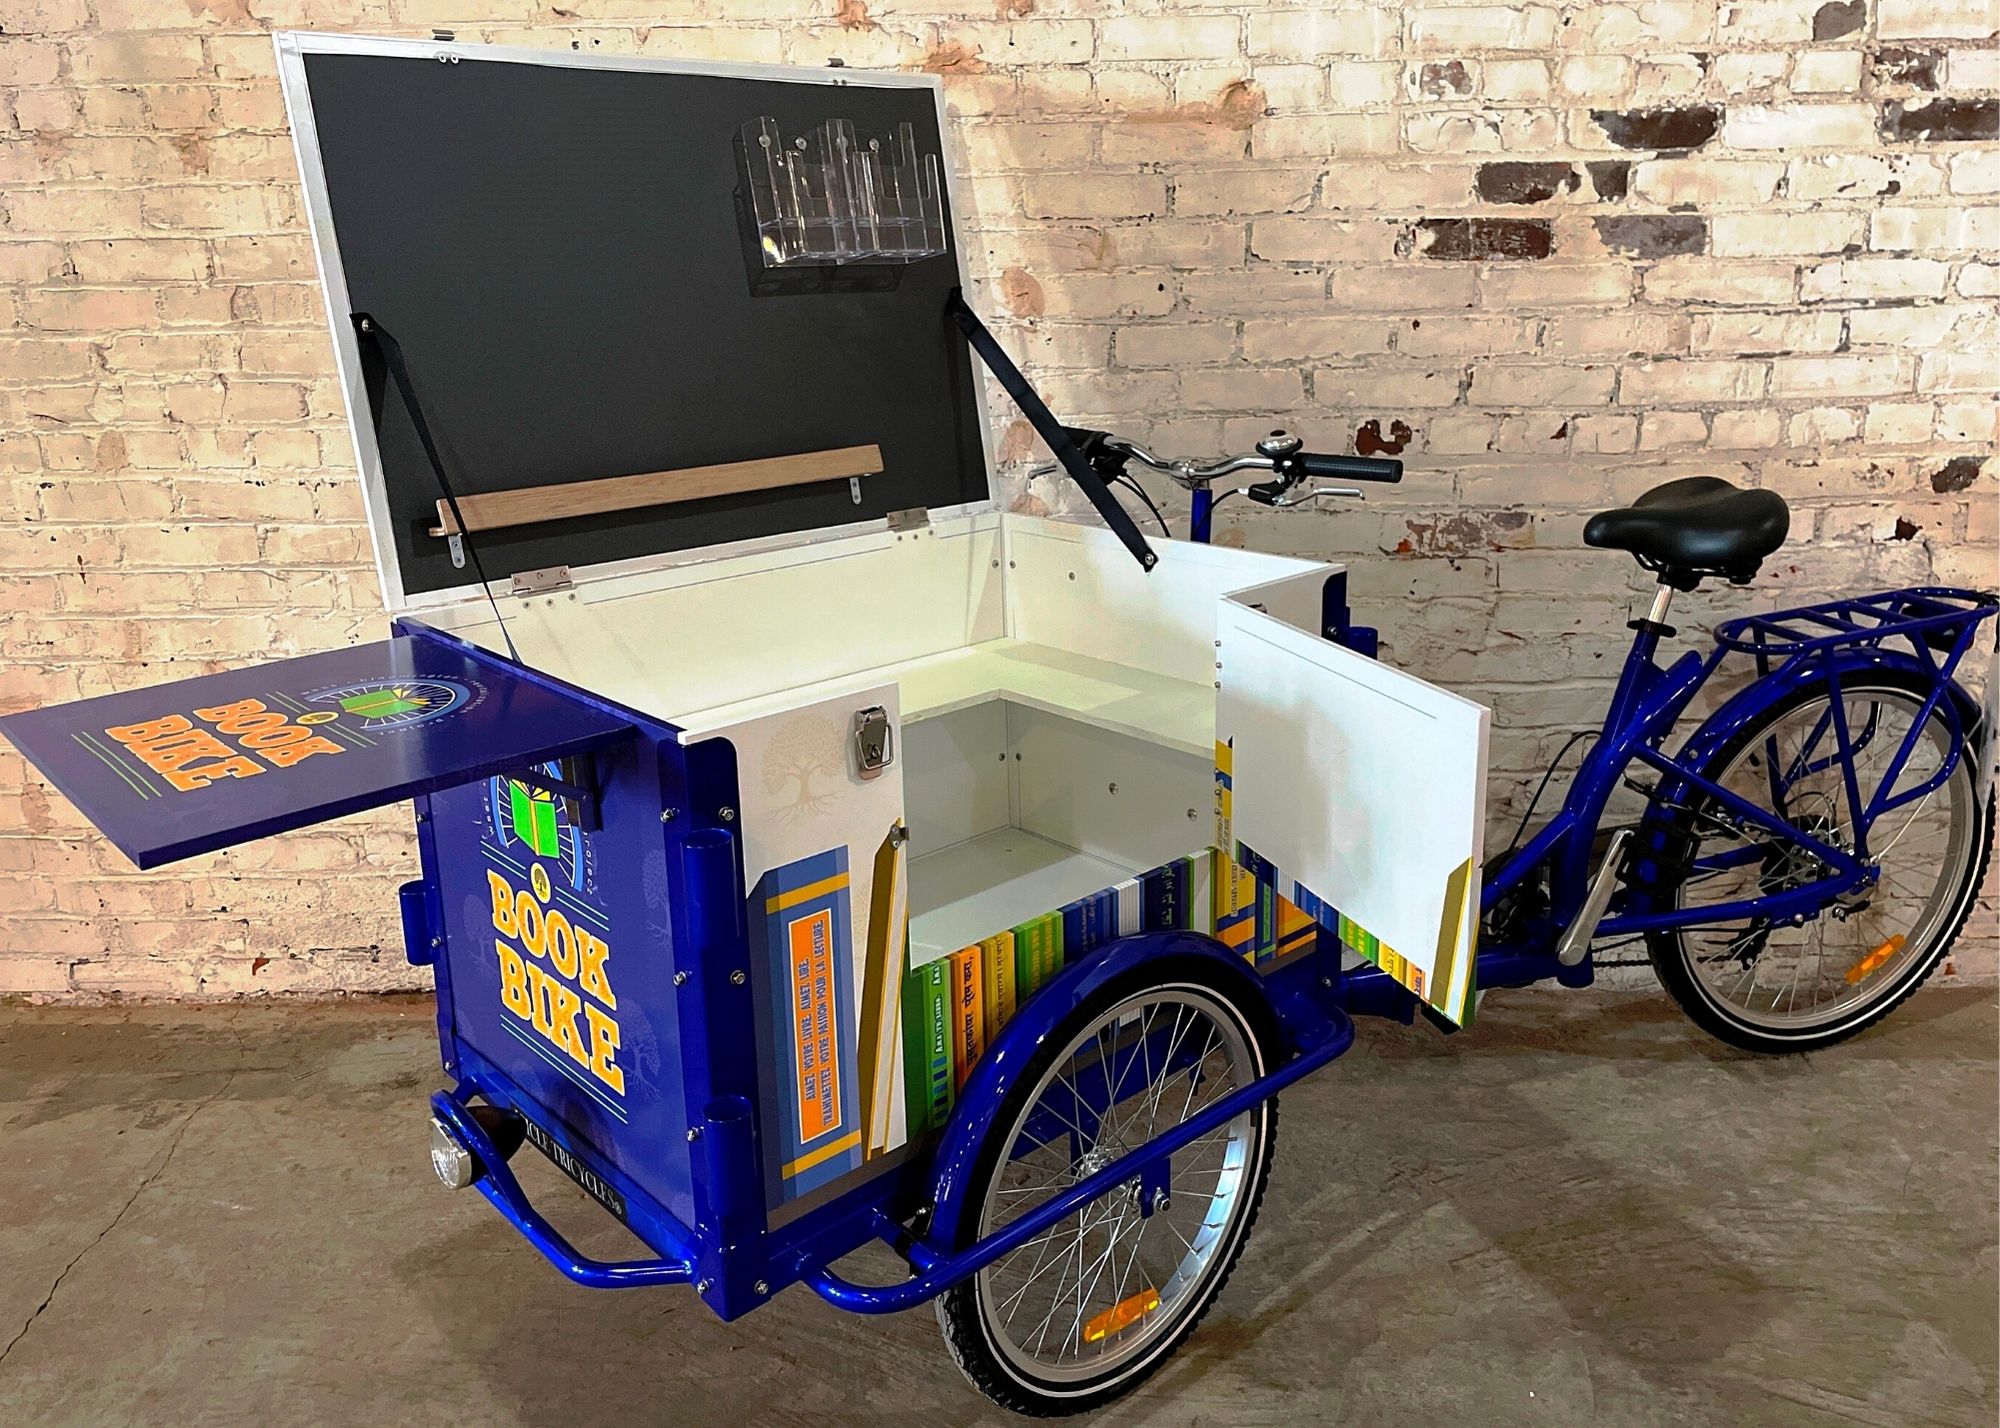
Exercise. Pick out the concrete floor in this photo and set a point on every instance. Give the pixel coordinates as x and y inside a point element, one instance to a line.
<point>1580,1212</point>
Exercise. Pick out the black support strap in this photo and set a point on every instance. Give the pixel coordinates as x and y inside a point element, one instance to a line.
<point>1052,432</point>
<point>376,338</point>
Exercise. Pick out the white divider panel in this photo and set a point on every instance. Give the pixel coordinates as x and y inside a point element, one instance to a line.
<point>691,637</point>
<point>1120,798</point>
<point>1076,588</point>
<point>957,776</point>
<point>1360,784</point>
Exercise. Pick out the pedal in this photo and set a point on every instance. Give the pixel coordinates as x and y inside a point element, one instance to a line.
<point>1576,937</point>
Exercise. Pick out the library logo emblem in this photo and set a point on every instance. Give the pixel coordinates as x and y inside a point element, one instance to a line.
<point>387,704</point>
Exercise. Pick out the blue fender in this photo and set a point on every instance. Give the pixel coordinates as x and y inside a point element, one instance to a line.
<point>1007,1058</point>
<point>1750,702</point>
<point>1753,699</point>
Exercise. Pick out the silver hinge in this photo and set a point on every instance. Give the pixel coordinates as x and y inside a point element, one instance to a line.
<point>540,582</point>
<point>915,518</point>
<point>874,741</point>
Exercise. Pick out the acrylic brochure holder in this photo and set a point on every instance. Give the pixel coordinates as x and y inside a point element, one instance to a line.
<point>835,195</point>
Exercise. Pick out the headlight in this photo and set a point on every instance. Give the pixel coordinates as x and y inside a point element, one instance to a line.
<point>454,1164</point>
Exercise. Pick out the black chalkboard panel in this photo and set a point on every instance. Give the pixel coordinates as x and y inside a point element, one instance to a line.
<point>558,251</point>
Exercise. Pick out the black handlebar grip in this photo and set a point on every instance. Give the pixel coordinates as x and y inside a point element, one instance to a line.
<point>1348,468</point>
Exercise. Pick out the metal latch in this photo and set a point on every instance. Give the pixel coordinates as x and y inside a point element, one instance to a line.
<point>915,518</point>
<point>541,582</point>
<point>874,741</point>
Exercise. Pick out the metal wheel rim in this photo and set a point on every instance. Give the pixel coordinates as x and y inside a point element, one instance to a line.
<point>1107,1241</point>
<point>1941,848</point>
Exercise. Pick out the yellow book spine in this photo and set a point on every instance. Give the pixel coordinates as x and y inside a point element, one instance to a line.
<point>997,956</point>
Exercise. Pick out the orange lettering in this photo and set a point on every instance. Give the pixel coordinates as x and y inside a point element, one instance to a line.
<point>560,942</point>
<point>225,713</point>
<point>237,766</point>
<point>591,956</point>
<point>528,918</point>
<point>153,729</point>
<point>513,980</point>
<point>503,904</point>
<point>603,1046</point>
<point>285,757</point>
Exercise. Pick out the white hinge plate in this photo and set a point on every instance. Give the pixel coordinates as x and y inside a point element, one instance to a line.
<point>915,518</point>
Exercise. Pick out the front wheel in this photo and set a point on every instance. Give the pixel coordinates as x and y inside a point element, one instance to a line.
<point>1769,987</point>
<point>1085,1311</point>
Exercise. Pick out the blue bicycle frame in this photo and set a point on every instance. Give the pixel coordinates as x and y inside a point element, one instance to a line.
<point>1818,645</point>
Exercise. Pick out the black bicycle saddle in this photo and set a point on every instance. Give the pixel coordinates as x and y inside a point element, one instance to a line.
<point>1700,525</point>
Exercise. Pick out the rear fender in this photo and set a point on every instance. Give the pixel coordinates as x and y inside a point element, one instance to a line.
<point>1754,699</point>
<point>1748,704</point>
<point>1007,1059</point>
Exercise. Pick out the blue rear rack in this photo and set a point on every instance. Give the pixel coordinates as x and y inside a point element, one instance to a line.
<point>1935,616</point>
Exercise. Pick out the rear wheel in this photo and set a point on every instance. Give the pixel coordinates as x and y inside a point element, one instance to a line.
<point>1769,987</point>
<point>1084,1312</point>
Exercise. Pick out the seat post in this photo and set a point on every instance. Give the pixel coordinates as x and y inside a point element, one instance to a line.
<point>1652,626</point>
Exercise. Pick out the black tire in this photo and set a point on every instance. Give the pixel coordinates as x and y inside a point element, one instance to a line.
<point>1673,962</point>
<point>960,1310</point>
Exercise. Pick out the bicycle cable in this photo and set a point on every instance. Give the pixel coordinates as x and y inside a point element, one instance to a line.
<point>1126,480</point>
<point>1542,787</point>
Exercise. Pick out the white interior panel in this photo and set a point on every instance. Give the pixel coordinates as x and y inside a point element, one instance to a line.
<point>957,776</point>
<point>693,637</point>
<point>1076,588</point>
<point>1120,798</point>
<point>996,881</point>
<point>1363,783</point>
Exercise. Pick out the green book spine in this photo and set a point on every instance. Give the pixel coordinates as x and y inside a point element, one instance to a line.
<point>927,1068</point>
<point>1032,941</point>
<point>1052,947</point>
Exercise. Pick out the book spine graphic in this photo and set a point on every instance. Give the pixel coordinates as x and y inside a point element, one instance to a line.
<point>881,998</point>
<point>968,1013</point>
<point>927,1038</point>
<point>805,926</point>
<point>996,964</point>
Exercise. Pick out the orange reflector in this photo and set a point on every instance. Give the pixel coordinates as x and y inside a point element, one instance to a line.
<point>1875,959</point>
<point>1122,1315</point>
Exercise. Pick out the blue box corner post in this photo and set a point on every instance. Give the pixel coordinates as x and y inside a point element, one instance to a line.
<point>1337,621</point>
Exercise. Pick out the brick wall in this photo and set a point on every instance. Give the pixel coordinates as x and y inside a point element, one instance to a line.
<point>1551,254</point>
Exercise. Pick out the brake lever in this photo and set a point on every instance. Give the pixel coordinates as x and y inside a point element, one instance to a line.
<point>1274,494</point>
<point>1319,493</point>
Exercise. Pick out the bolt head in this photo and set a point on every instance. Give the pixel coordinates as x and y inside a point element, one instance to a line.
<point>702,1286</point>
<point>694,1134</point>
<point>760,1288</point>
<point>727,815</point>
<point>680,979</point>
<point>736,979</point>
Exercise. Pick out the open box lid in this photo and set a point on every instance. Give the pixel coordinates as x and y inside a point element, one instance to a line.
<point>565,248</point>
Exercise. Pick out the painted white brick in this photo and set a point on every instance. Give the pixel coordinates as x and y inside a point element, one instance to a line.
<point>1799,126</point>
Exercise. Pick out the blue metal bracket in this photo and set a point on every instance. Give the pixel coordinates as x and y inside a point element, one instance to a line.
<point>498,1185</point>
<point>950,1269</point>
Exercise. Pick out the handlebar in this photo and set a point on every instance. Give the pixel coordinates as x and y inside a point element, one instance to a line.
<point>1277,453</point>
<point>1352,468</point>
